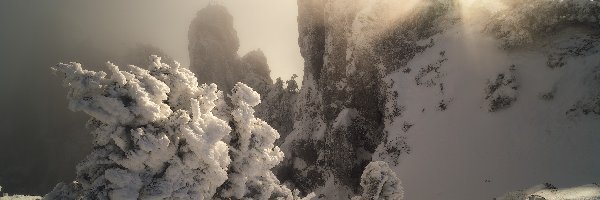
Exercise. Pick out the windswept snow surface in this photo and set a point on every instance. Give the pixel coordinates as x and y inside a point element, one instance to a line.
<point>20,197</point>
<point>460,150</point>
<point>548,192</point>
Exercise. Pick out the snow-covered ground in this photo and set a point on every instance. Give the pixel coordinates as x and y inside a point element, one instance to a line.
<point>462,151</point>
<point>548,192</point>
<point>20,197</point>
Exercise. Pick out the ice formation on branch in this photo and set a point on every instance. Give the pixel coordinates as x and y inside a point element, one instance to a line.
<point>156,137</point>
<point>380,182</point>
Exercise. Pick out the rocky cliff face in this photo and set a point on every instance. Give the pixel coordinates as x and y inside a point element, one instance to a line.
<point>345,103</point>
<point>444,81</point>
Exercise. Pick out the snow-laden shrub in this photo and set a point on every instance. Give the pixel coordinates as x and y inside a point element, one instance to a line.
<point>379,182</point>
<point>156,137</point>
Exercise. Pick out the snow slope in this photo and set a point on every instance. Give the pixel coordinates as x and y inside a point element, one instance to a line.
<point>548,192</point>
<point>20,197</point>
<point>460,150</point>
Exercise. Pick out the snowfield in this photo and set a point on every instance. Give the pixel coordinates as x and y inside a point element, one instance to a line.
<point>465,146</point>
<point>548,192</point>
<point>480,97</point>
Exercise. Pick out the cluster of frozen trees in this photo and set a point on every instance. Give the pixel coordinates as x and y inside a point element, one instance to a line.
<point>160,135</point>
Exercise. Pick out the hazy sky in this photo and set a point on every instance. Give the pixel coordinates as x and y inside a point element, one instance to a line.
<point>41,141</point>
<point>266,24</point>
<point>270,25</point>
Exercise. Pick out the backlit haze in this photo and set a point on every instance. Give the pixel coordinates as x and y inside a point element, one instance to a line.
<point>36,124</point>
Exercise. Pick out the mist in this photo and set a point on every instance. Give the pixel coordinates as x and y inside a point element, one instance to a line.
<point>41,140</point>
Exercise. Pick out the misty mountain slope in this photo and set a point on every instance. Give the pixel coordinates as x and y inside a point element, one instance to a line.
<point>458,143</point>
<point>213,49</point>
<point>467,100</point>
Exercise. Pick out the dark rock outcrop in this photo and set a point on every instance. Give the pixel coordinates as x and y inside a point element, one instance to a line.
<point>213,46</point>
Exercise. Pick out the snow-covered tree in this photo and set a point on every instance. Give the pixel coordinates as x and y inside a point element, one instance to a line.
<point>156,137</point>
<point>380,182</point>
<point>253,153</point>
